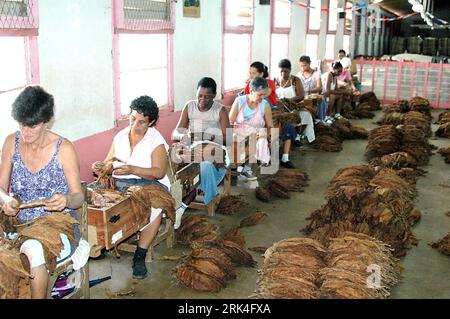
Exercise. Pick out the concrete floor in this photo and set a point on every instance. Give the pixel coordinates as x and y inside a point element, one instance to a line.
<point>426,271</point>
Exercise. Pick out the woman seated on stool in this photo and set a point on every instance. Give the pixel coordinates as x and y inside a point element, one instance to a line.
<point>258,69</point>
<point>336,92</point>
<point>209,119</point>
<point>251,114</point>
<point>37,163</point>
<point>141,159</point>
<point>291,87</point>
<point>312,83</point>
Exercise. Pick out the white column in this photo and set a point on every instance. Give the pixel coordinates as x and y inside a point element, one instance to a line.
<point>383,36</point>
<point>339,39</point>
<point>353,37</point>
<point>370,42</point>
<point>323,32</point>
<point>377,34</point>
<point>362,34</point>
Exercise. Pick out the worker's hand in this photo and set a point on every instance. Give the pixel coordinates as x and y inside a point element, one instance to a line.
<point>247,81</point>
<point>11,208</point>
<point>124,170</point>
<point>57,203</point>
<point>97,167</point>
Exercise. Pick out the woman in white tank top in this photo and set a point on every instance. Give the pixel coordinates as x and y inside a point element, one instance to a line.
<point>290,87</point>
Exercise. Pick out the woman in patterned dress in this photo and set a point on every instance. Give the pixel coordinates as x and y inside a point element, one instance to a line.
<point>39,164</point>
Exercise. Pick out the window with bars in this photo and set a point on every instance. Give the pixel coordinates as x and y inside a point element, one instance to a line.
<point>144,15</point>
<point>140,26</point>
<point>19,15</point>
<point>332,16</point>
<point>314,16</point>
<point>237,38</point>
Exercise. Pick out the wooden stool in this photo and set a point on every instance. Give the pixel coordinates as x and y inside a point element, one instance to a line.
<point>166,232</point>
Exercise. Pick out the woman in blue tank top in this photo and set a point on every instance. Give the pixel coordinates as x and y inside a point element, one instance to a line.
<point>39,164</point>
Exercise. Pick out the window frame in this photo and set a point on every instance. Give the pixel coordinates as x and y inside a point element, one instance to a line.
<point>308,30</point>
<point>30,54</point>
<point>30,30</point>
<point>328,11</point>
<point>120,27</point>
<point>226,29</point>
<point>278,30</point>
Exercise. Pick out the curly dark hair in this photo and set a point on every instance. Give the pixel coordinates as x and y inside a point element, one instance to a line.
<point>33,106</point>
<point>146,106</point>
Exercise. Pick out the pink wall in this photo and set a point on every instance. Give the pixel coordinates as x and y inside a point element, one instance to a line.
<point>95,147</point>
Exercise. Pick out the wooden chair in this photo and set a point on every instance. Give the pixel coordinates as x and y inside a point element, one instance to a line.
<point>67,264</point>
<point>186,179</point>
<point>166,232</point>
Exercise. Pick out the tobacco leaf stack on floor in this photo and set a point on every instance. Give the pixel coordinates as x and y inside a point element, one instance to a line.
<point>444,122</point>
<point>442,245</point>
<point>366,200</point>
<point>388,139</point>
<point>253,219</point>
<point>362,111</point>
<point>415,112</point>
<point>210,266</point>
<point>348,131</point>
<point>231,204</point>
<point>443,130</point>
<point>443,118</point>
<point>329,138</point>
<point>445,152</point>
<point>291,269</point>
<point>281,183</point>
<point>304,268</point>
<point>349,259</point>
<point>205,269</point>
<point>383,140</point>
<point>371,100</point>
<point>421,105</point>
<point>235,235</point>
<point>196,229</point>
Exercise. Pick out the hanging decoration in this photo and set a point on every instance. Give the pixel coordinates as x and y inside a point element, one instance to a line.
<point>417,8</point>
